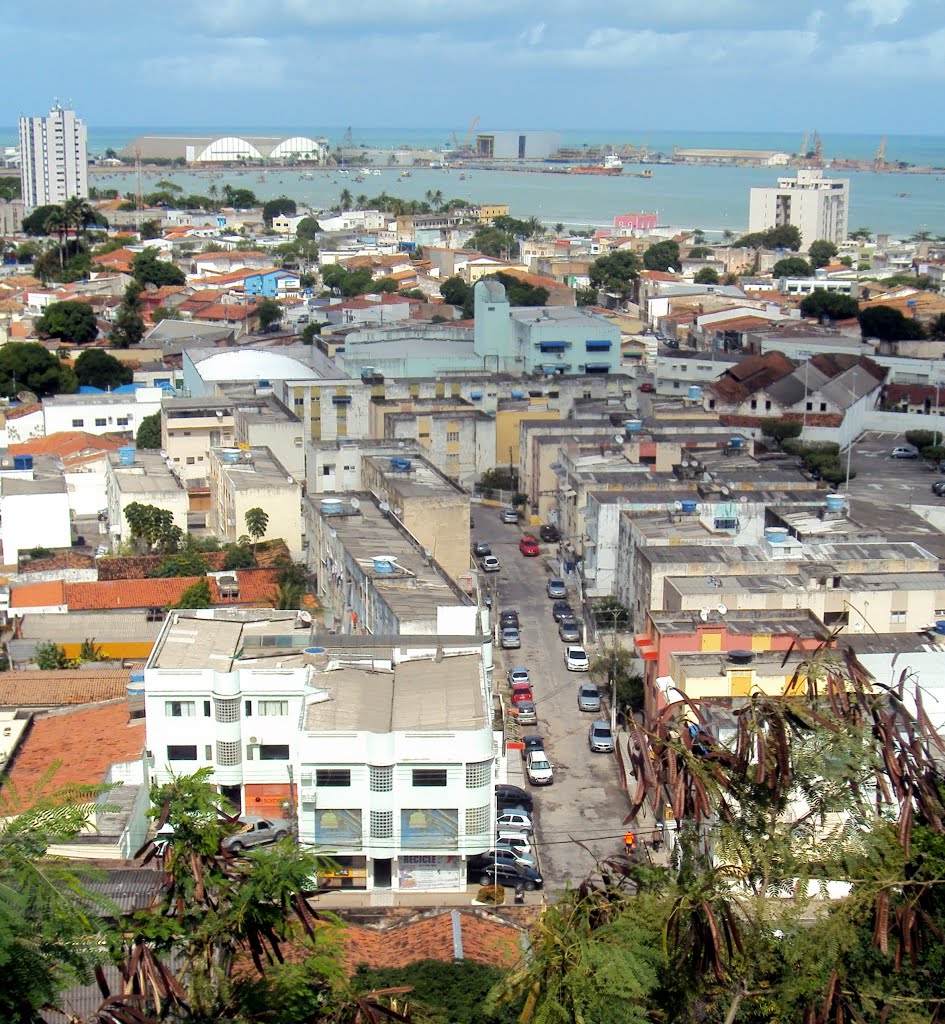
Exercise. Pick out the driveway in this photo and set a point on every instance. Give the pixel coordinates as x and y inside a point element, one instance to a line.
<point>586,801</point>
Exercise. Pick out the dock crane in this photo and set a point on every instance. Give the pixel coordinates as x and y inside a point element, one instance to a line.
<point>879,161</point>
<point>464,145</point>
<point>802,153</point>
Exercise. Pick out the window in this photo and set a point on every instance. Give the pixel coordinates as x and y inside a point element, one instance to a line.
<point>100,423</point>
<point>823,406</point>
<point>328,470</point>
<point>206,709</point>
<point>180,708</point>
<point>272,708</point>
<point>274,752</point>
<point>478,773</point>
<point>190,460</point>
<point>227,710</point>
<point>185,753</point>
<point>248,708</point>
<point>382,824</point>
<point>228,754</point>
<point>754,403</point>
<point>429,776</point>
<point>155,615</point>
<point>810,406</point>
<point>726,524</point>
<point>452,435</point>
<point>122,421</point>
<point>477,820</point>
<point>78,423</point>
<point>897,617</point>
<point>332,776</point>
<point>382,778</point>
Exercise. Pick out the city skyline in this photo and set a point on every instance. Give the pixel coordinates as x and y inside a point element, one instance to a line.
<point>683,65</point>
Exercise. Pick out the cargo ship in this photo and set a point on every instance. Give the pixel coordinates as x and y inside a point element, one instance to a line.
<point>612,164</point>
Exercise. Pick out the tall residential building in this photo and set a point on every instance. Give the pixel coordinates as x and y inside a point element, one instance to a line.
<point>817,206</point>
<point>53,158</point>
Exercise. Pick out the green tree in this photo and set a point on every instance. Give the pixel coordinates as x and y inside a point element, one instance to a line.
<point>786,236</point>
<point>780,430</point>
<point>128,325</point>
<point>344,200</point>
<point>706,275</point>
<point>187,562</point>
<point>149,432</point>
<point>197,595</point>
<point>456,292</point>
<point>821,303</point>
<point>149,269</point>
<point>150,229</point>
<point>520,293</point>
<point>821,252</point>
<point>25,365</point>
<point>792,266</point>
<point>153,528</point>
<point>384,284</point>
<point>492,241</point>
<point>269,313</point>
<point>277,208</point>
<point>89,652</point>
<point>862,234</point>
<point>887,324</point>
<point>662,256</point>
<point>308,229</point>
<point>97,369</point>
<point>257,522</point>
<point>72,321</point>
<point>34,223</point>
<point>700,252</point>
<point>616,273</point>
<point>616,671</point>
<point>50,656</point>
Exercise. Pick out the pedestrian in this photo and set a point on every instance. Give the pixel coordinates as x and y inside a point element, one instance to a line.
<point>629,842</point>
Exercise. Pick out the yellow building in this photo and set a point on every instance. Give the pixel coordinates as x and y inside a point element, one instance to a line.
<point>508,420</point>
<point>489,211</point>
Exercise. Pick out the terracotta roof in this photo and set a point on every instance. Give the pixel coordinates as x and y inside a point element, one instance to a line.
<point>232,277</point>
<point>67,443</point>
<point>914,394</point>
<point>536,279</point>
<point>35,689</point>
<point>102,595</point>
<point>23,410</point>
<point>85,742</point>
<point>227,311</point>
<point>61,560</point>
<point>390,260</point>
<point>38,595</point>
<point>484,940</point>
<point>751,375</point>
<point>232,256</point>
<point>115,256</point>
<point>739,323</point>
<point>659,275</point>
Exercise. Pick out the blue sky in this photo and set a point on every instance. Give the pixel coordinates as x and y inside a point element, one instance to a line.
<point>752,65</point>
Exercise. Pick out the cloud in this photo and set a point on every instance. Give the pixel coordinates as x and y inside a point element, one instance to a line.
<point>533,36</point>
<point>918,58</point>
<point>231,63</point>
<point>879,12</point>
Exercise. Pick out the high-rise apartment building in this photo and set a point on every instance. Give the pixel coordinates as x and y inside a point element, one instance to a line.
<point>817,206</point>
<point>53,158</point>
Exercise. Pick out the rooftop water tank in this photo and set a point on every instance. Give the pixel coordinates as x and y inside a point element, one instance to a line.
<point>940,627</point>
<point>383,564</point>
<point>519,394</point>
<point>836,502</point>
<point>776,534</point>
<point>400,464</point>
<point>694,393</point>
<point>126,455</point>
<point>136,683</point>
<point>736,442</point>
<point>22,461</point>
<point>231,454</point>
<point>633,426</point>
<point>688,506</point>
<point>331,506</point>
<point>315,656</point>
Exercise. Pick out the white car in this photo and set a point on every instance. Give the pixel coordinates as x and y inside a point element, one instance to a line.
<point>575,659</point>
<point>513,821</point>
<point>509,515</point>
<point>539,769</point>
<point>490,564</point>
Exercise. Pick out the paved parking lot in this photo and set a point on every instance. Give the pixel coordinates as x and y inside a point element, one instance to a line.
<point>586,801</point>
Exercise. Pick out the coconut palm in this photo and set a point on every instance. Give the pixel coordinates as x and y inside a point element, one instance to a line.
<point>58,223</point>
<point>344,199</point>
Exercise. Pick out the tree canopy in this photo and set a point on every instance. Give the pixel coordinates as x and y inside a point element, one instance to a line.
<point>662,256</point>
<point>128,325</point>
<point>348,282</point>
<point>149,432</point>
<point>269,313</point>
<point>149,269</point>
<point>792,266</point>
<point>71,321</point>
<point>787,236</point>
<point>521,293</point>
<point>888,324</point>
<point>34,223</point>
<point>821,303</point>
<point>277,208</point>
<point>307,229</point>
<point>616,273</point>
<point>97,369</point>
<point>821,252</point>
<point>25,365</point>
<point>493,241</point>
<point>706,275</point>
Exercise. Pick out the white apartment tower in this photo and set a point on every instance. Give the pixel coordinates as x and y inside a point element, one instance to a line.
<point>53,158</point>
<point>817,206</point>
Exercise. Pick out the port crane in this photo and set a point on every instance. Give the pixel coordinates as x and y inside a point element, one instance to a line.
<point>879,161</point>
<point>464,145</point>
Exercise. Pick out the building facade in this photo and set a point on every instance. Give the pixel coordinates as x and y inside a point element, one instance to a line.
<point>54,158</point>
<point>818,206</point>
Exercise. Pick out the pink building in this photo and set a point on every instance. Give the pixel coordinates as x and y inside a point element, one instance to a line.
<point>637,221</point>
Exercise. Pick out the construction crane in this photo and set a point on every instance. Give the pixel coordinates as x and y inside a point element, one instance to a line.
<point>803,149</point>
<point>879,162</point>
<point>818,151</point>
<point>472,129</point>
<point>139,197</point>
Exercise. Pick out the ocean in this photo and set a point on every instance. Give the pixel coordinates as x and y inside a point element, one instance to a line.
<point>712,198</point>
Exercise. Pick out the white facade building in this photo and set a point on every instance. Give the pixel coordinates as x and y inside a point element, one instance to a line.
<point>35,514</point>
<point>818,206</point>
<point>101,414</point>
<point>54,158</point>
<point>383,755</point>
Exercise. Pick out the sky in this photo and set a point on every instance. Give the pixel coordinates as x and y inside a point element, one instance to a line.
<point>748,65</point>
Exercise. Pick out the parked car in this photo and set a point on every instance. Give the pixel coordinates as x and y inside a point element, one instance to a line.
<point>588,697</point>
<point>527,715</point>
<point>523,854</point>
<point>481,549</point>
<point>518,675</point>
<point>561,610</point>
<point>508,617</point>
<point>511,638</point>
<point>569,631</point>
<point>509,515</point>
<point>549,533</point>
<point>938,488</point>
<point>600,738</point>
<point>647,388</point>
<point>556,587</point>
<point>503,855</point>
<point>490,564</point>
<point>902,451</point>
<point>538,769</point>
<point>507,796</point>
<point>256,832</point>
<point>513,875</point>
<point>575,658</point>
<point>671,343</point>
<point>514,820</point>
<point>532,741</point>
<point>529,547</point>
<point>522,692</point>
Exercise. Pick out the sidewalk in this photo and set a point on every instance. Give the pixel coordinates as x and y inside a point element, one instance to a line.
<point>348,898</point>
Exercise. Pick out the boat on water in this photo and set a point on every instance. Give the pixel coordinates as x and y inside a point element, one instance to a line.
<point>641,174</point>
<point>611,164</point>
<point>405,174</point>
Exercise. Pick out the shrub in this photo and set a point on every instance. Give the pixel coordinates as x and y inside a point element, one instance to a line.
<point>40,552</point>
<point>494,894</point>
<point>920,438</point>
<point>780,430</point>
<point>934,453</point>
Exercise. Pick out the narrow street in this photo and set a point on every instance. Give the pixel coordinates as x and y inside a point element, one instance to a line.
<point>586,801</point>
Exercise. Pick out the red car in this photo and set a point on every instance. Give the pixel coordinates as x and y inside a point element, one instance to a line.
<point>647,388</point>
<point>520,692</point>
<point>529,547</point>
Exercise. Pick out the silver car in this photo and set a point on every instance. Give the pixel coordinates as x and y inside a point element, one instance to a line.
<point>508,515</point>
<point>511,638</point>
<point>256,832</point>
<point>600,738</point>
<point>556,587</point>
<point>569,631</point>
<point>588,697</point>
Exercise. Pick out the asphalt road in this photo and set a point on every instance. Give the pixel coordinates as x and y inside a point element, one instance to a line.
<point>586,801</point>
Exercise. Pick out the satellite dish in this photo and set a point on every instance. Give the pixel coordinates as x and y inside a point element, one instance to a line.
<point>26,397</point>
<point>704,614</point>
<point>726,490</point>
<point>384,507</point>
<point>721,609</point>
<point>403,444</point>
<point>744,499</point>
<point>618,438</point>
<point>677,506</point>
<point>355,503</point>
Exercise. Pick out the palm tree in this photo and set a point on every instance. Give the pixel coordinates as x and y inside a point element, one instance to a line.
<point>213,192</point>
<point>79,213</point>
<point>559,227</point>
<point>257,522</point>
<point>344,200</point>
<point>58,223</point>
